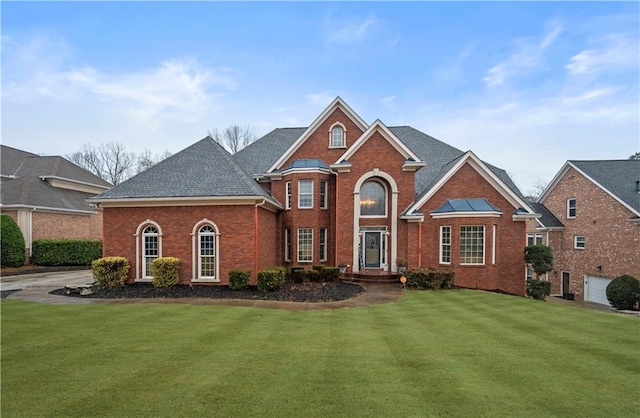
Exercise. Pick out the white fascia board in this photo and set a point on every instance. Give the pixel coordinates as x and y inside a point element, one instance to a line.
<point>341,168</point>
<point>525,217</point>
<point>184,201</point>
<point>473,214</point>
<point>47,209</point>
<point>305,170</point>
<point>486,173</point>
<point>386,134</point>
<point>337,103</point>
<point>413,165</point>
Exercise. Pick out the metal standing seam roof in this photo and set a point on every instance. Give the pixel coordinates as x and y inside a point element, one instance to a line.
<point>466,205</point>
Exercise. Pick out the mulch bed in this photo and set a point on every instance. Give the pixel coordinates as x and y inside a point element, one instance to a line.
<point>291,292</point>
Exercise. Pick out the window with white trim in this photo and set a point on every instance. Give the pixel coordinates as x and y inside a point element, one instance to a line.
<point>445,245</point>
<point>571,207</point>
<point>338,139</point>
<point>534,239</point>
<point>206,252</point>
<point>472,244</point>
<point>324,188</point>
<point>305,245</point>
<point>305,194</point>
<point>323,244</point>
<point>373,199</point>
<point>579,242</point>
<point>150,249</point>
<point>287,204</point>
<point>529,273</point>
<point>287,244</point>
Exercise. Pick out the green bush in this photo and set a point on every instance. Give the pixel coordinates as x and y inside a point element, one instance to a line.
<point>538,289</point>
<point>11,243</point>
<point>272,278</point>
<point>624,292</point>
<point>429,278</point>
<point>239,279</point>
<point>297,274</point>
<point>65,252</point>
<point>314,275</point>
<point>331,274</point>
<point>165,271</point>
<point>110,271</point>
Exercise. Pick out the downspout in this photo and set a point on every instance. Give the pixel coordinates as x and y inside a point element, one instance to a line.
<point>335,227</point>
<point>255,236</point>
<point>420,244</point>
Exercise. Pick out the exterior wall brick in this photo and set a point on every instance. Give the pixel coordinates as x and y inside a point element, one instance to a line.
<point>55,225</point>
<point>235,224</point>
<point>612,242</point>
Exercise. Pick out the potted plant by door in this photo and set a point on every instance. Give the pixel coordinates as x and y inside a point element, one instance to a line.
<point>402,264</point>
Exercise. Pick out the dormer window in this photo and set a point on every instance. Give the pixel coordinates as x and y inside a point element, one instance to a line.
<point>337,136</point>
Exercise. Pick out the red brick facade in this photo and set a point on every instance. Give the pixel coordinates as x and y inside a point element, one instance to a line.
<point>252,237</point>
<point>612,242</point>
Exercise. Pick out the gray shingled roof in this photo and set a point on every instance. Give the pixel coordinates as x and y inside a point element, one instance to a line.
<point>205,169</point>
<point>259,156</point>
<point>547,219</point>
<point>28,189</point>
<point>617,176</point>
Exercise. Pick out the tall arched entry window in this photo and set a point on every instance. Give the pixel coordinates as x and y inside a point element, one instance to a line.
<point>206,250</point>
<point>373,199</point>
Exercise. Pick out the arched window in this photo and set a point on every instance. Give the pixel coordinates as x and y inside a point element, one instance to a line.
<point>373,199</point>
<point>206,252</point>
<point>150,249</point>
<point>337,136</point>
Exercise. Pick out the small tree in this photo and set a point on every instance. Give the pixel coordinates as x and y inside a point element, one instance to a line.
<point>12,243</point>
<point>540,257</point>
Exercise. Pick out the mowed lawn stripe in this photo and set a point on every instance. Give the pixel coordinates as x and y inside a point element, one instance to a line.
<point>449,353</point>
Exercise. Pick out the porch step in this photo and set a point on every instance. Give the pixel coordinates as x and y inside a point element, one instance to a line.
<point>372,277</point>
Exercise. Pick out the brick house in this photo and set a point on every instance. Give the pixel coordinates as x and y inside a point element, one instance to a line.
<point>591,220</point>
<point>46,196</point>
<point>337,191</point>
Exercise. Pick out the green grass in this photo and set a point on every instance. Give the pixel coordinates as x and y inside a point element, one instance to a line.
<point>448,353</point>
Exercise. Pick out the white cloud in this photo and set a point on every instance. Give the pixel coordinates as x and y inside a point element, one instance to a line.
<point>528,55</point>
<point>351,32</point>
<point>321,99</point>
<point>389,102</point>
<point>613,52</point>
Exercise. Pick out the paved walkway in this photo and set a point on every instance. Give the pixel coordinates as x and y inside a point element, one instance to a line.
<point>36,288</point>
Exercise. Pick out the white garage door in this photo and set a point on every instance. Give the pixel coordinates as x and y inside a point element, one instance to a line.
<point>595,289</point>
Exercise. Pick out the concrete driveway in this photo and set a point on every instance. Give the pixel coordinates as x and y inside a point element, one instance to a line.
<point>58,278</point>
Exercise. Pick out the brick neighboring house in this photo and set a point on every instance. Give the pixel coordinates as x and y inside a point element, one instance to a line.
<point>591,220</point>
<point>340,190</point>
<point>46,196</point>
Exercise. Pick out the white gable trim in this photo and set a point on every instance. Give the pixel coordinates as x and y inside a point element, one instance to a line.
<point>485,172</point>
<point>337,103</point>
<point>563,172</point>
<point>378,126</point>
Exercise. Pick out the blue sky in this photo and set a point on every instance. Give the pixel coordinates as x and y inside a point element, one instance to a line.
<point>525,85</point>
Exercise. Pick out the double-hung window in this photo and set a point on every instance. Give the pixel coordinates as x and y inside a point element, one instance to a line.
<point>287,204</point>
<point>534,239</point>
<point>472,244</point>
<point>571,208</point>
<point>337,137</point>
<point>445,245</point>
<point>324,185</point>
<point>323,244</point>
<point>305,244</point>
<point>579,242</point>
<point>305,194</point>
<point>287,244</point>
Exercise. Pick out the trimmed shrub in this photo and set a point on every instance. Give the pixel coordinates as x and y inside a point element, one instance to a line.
<point>165,271</point>
<point>297,274</point>
<point>331,274</point>
<point>65,252</point>
<point>239,279</point>
<point>624,292</point>
<point>429,278</point>
<point>319,267</point>
<point>314,275</point>
<point>538,289</point>
<point>272,278</point>
<point>110,271</point>
<point>11,243</point>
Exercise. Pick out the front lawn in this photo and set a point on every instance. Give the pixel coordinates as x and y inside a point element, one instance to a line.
<point>446,353</point>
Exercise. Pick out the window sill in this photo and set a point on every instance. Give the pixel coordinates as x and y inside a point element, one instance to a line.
<point>340,147</point>
<point>149,280</point>
<point>212,280</point>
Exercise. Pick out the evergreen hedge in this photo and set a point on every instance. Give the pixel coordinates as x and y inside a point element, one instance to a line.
<point>272,278</point>
<point>239,279</point>
<point>11,243</point>
<point>65,252</point>
<point>165,271</point>
<point>110,271</point>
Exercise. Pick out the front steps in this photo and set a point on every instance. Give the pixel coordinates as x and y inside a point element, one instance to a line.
<point>372,276</point>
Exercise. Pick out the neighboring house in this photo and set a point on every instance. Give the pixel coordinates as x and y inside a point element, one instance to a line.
<point>592,225</point>
<point>340,190</point>
<point>46,196</point>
